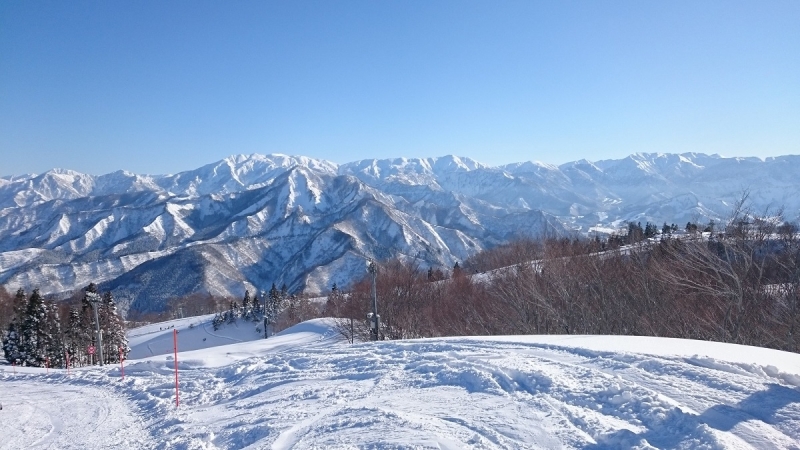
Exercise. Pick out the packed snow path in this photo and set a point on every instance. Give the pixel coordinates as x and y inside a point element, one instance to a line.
<point>52,412</point>
<point>308,390</point>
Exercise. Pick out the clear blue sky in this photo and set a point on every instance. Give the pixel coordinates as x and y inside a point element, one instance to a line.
<point>160,87</point>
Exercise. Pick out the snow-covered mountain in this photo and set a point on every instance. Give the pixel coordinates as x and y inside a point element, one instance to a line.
<point>249,221</point>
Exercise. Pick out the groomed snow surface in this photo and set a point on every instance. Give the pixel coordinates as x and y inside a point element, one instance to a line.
<point>307,388</point>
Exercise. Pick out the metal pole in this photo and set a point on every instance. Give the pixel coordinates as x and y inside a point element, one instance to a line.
<point>373,269</point>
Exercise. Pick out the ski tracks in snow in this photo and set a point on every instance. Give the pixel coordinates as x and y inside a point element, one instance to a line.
<point>451,393</point>
<point>432,393</point>
<point>49,412</point>
<point>636,401</point>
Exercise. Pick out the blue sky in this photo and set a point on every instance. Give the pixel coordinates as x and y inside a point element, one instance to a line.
<point>161,87</point>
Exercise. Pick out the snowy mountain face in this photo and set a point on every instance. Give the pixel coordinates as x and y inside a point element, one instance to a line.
<point>249,221</point>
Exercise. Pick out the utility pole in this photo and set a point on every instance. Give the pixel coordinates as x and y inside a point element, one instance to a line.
<point>374,318</point>
<point>94,300</point>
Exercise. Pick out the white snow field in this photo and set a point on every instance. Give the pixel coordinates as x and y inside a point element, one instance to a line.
<point>307,388</point>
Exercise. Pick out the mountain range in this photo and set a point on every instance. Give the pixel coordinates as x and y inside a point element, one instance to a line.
<point>246,222</point>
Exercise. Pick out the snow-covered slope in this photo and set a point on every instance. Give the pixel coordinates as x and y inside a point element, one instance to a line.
<point>243,223</point>
<point>248,221</point>
<point>307,389</point>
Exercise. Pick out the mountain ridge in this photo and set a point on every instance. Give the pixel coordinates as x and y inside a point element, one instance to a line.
<point>249,220</point>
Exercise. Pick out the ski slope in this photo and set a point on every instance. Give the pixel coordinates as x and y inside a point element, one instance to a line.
<point>306,388</point>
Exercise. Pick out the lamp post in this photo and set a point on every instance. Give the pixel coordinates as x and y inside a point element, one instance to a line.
<point>94,300</point>
<point>374,318</point>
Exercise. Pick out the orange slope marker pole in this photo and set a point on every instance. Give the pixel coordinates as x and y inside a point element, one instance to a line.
<point>175,343</point>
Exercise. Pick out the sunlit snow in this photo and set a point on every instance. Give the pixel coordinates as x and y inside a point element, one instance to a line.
<point>307,388</point>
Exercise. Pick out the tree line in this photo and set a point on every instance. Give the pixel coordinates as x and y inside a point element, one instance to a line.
<point>41,332</point>
<point>277,309</point>
<point>738,283</point>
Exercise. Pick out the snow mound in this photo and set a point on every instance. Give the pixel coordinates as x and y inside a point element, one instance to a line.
<point>200,346</point>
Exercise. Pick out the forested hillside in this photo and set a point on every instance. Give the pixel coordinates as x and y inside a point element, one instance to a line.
<point>738,285</point>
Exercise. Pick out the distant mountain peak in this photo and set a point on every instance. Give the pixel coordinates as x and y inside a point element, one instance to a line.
<point>257,219</point>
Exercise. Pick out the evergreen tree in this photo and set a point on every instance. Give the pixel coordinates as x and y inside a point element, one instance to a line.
<point>114,336</point>
<point>87,326</point>
<point>12,344</point>
<point>13,348</point>
<point>666,230</point>
<point>247,305</point>
<point>34,331</point>
<point>273,306</point>
<point>54,342</point>
<point>257,309</point>
<point>650,230</point>
<point>233,312</point>
<point>20,304</point>
<point>635,232</point>
<point>273,295</point>
<point>457,272</point>
<point>76,338</point>
<point>218,321</point>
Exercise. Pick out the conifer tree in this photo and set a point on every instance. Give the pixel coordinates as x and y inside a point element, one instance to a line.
<point>12,344</point>
<point>273,295</point>
<point>13,348</point>
<point>247,305</point>
<point>666,230</point>
<point>258,308</point>
<point>650,230</point>
<point>273,306</point>
<point>54,343</point>
<point>218,321</point>
<point>457,272</point>
<point>34,331</point>
<point>76,338</point>
<point>20,304</point>
<point>114,336</point>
